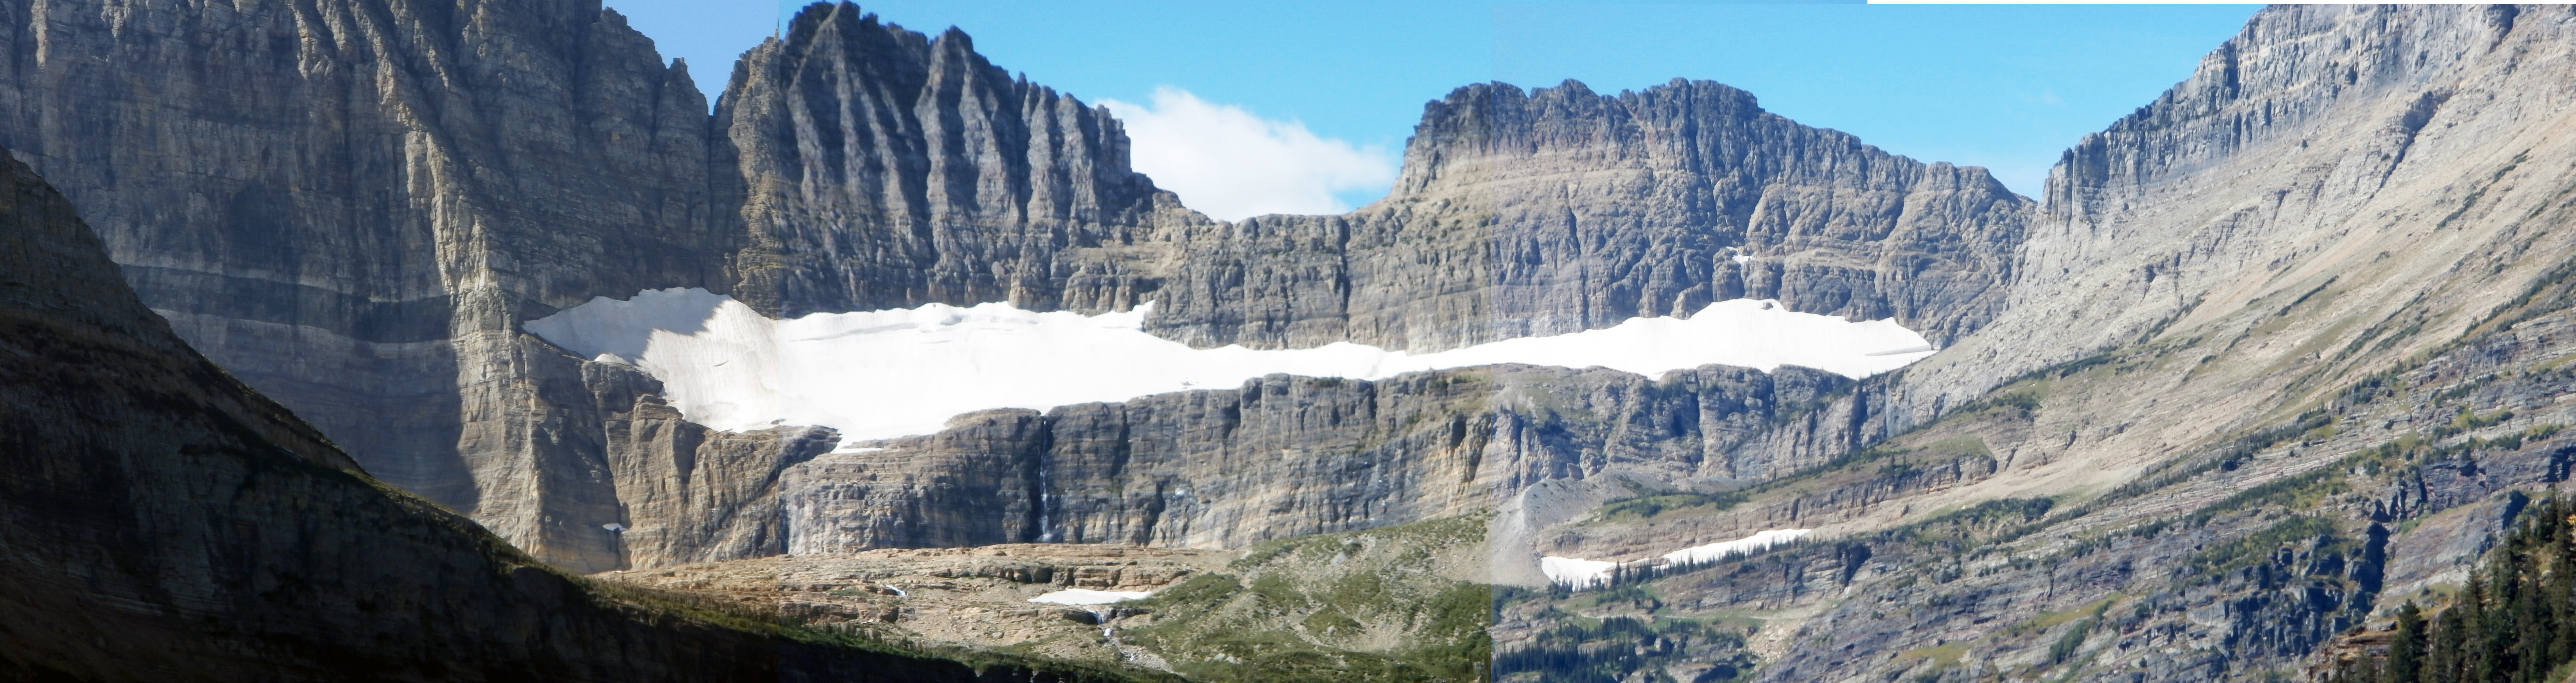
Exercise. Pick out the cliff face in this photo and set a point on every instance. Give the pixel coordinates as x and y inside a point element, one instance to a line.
<point>1560,210</point>
<point>351,206</point>
<point>887,169</point>
<point>167,523</point>
<point>1289,456</point>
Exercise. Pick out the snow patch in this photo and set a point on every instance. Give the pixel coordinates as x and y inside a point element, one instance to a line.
<point>882,374</point>
<point>1583,573</point>
<point>1749,544</point>
<point>1085,596</point>
<point>1575,571</point>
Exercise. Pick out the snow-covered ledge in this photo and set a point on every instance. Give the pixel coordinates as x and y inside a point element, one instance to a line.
<point>881,374</point>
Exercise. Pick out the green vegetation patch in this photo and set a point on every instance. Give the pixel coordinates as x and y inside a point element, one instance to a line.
<point>2245,551</point>
<point>1617,648</point>
<point>1636,509</point>
<point>1373,606</point>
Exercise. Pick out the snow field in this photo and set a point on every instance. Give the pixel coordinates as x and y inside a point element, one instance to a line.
<point>883,374</point>
<point>1582,573</point>
<point>1085,596</point>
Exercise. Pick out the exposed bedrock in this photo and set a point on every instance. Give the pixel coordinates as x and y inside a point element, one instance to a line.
<point>1557,210</point>
<point>1287,456</point>
<point>166,523</point>
<point>887,169</point>
<point>2381,145</point>
<point>352,204</point>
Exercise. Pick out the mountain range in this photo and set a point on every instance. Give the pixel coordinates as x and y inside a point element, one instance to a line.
<point>298,388</point>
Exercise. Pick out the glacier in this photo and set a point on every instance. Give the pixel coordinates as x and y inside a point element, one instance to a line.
<point>899,372</point>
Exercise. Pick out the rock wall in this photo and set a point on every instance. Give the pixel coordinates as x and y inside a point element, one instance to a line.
<point>351,205</point>
<point>1289,456</point>
<point>1557,210</point>
<point>887,169</point>
<point>167,523</point>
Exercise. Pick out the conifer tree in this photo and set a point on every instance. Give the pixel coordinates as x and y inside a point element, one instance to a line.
<point>2406,651</point>
<point>2442,651</point>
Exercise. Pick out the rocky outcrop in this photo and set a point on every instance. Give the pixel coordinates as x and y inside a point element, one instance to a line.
<point>687,493</point>
<point>166,523</point>
<point>1289,456</point>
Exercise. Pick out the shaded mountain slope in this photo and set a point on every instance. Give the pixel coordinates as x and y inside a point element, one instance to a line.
<point>162,522</point>
<point>351,204</point>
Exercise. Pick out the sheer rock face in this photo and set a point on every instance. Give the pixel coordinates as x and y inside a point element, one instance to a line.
<point>352,205</point>
<point>166,523</point>
<point>1289,456</point>
<point>887,170</point>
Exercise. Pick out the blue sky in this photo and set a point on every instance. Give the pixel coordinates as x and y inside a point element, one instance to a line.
<point>2005,87</point>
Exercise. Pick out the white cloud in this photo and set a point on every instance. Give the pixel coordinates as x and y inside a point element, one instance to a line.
<point>1230,164</point>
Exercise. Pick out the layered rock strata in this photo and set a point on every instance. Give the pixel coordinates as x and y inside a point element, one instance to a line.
<point>1289,456</point>
<point>1522,213</point>
<point>167,523</point>
<point>351,205</point>
<point>2364,142</point>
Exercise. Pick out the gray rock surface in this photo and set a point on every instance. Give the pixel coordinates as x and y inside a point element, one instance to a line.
<point>351,205</point>
<point>887,169</point>
<point>1557,210</point>
<point>2314,289</point>
<point>164,522</point>
<point>1290,456</point>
